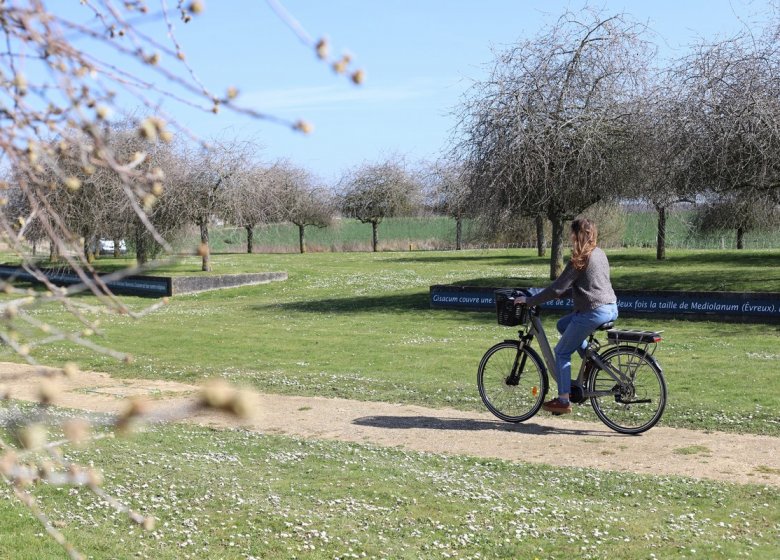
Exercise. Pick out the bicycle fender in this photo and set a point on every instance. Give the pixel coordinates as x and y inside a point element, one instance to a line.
<point>639,351</point>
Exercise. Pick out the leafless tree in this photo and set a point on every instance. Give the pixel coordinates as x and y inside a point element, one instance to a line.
<point>373,192</point>
<point>549,131</point>
<point>666,146</point>
<point>742,212</point>
<point>207,185</point>
<point>732,95</point>
<point>303,201</point>
<point>252,200</point>
<point>447,187</point>
<point>77,211</point>
<point>100,207</point>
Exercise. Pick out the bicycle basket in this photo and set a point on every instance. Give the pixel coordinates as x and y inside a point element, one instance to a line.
<point>507,313</point>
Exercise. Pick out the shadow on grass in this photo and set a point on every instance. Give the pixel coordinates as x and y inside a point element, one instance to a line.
<point>730,259</point>
<point>679,279</point>
<point>503,282</point>
<point>471,425</point>
<point>358,304</point>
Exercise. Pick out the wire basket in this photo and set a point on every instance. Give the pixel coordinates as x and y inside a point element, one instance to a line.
<point>507,313</point>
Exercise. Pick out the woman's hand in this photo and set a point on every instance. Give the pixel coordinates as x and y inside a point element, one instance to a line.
<point>521,300</point>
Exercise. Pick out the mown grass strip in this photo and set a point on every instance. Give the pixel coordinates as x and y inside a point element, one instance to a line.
<point>235,494</point>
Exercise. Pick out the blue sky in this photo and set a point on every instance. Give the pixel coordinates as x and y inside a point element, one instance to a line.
<point>420,56</point>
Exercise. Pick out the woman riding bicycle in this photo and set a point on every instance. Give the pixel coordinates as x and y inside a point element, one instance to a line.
<point>587,275</point>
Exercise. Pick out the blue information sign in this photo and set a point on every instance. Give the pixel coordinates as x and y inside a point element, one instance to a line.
<point>150,286</point>
<point>713,305</point>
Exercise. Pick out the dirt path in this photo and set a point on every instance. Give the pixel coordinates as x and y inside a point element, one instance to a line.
<point>740,458</point>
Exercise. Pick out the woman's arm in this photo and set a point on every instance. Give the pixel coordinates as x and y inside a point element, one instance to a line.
<point>560,286</point>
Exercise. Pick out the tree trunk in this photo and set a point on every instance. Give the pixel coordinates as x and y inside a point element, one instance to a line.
<point>89,248</point>
<point>556,247</point>
<point>54,252</point>
<point>250,238</point>
<point>302,238</point>
<point>205,252</point>
<point>541,242</point>
<point>740,238</point>
<point>375,235</point>
<point>660,242</point>
<point>117,243</point>
<point>458,233</point>
<point>141,251</point>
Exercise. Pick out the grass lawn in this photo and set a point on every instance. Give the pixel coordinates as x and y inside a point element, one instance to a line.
<point>358,325</point>
<point>438,232</point>
<point>234,494</point>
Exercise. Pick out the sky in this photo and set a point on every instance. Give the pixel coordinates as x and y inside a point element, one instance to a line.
<point>419,58</point>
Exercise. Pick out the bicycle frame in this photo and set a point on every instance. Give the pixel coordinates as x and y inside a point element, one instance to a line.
<point>592,357</point>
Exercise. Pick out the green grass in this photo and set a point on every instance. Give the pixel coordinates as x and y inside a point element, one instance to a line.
<point>642,229</point>
<point>358,325</point>
<point>344,235</point>
<point>438,232</point>
<point>234,494</point>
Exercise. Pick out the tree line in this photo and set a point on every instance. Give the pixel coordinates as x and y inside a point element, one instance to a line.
<point>585,113</point>
<point>581,114</point>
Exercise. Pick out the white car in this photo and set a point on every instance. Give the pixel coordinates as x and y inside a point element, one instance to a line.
<point>106,247</point>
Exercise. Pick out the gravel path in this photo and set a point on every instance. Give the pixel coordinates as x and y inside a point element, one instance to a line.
<point>740,458</point>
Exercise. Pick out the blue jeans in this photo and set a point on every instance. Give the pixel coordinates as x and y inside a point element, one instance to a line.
<point>575,329</point>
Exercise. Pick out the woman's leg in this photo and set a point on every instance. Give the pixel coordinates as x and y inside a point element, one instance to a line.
<point>563,323</point>
<point>574,337</point>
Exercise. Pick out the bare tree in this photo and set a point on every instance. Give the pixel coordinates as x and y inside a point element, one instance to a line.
<point>666,148</point>
<point>373,192</point>
<point>744,211</point>
<point>252,200</point>
<point>447,191</point>
<point>208,185</point>
<point>78,208</point>
<point>302,200</point>
<point>731,89</point>
<point>549,132</point>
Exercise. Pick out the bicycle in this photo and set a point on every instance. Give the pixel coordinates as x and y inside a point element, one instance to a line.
<point>622,379</point>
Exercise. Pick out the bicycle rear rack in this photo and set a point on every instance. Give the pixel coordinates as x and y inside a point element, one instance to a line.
<point>638,338</point>
<point>647,337</point>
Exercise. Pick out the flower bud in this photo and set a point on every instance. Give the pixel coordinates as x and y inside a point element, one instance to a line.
<point>33,436</point>
<point>217,394</point>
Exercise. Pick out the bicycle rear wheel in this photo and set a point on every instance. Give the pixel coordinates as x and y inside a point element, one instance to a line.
<point>512,381</point>
<point>635,406</point>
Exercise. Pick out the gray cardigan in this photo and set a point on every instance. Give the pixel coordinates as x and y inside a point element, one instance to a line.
<point>591,287</point>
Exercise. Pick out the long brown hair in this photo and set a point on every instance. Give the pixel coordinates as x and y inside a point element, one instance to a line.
<point>585,236</point>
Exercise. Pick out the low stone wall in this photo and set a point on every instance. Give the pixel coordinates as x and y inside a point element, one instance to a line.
<point>191,284</point>
<point>147,286</point>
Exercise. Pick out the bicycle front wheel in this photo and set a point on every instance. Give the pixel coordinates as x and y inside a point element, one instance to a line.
<point>512,381</point>
<point>636,404</point>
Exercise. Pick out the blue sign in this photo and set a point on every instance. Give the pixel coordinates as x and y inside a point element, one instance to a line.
<point>764,306</point>
<point>154,286</point>
<point>463,299</point>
